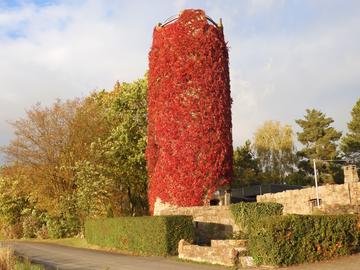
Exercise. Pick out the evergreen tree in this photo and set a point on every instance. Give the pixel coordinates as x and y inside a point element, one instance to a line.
<point>246,166</point>
<point>350,144</point>
<point>320,142</point>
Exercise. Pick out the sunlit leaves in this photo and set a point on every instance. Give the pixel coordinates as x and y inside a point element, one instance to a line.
<point>189,151</point>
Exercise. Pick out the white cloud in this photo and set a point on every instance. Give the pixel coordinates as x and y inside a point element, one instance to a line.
<point>258,7</point>
<point>288,73</point>
<point>68,49</point>
<point>64,52</point>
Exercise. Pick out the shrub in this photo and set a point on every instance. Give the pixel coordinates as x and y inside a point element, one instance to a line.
<point>158,235</point>
<point>246,215</point>
<point>294,239</point>
<point>31,225</point>
<point>42,233</point>
<point>60,227</point>
<point>14,231</point>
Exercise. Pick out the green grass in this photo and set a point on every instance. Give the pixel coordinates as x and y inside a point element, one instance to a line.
<point>76,243</point>
<point>69,242</point>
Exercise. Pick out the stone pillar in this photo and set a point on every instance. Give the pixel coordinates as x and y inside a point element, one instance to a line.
<point>350,174</point>
<point>227,197</point>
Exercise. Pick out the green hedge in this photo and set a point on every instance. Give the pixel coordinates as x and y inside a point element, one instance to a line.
<point>294,239</point>
<point>158,235</point>
<point>246,215</point>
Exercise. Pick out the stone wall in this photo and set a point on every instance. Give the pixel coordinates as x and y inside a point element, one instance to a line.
<point>334,198</point>
<point>211,222</point>
<point>210,214</point>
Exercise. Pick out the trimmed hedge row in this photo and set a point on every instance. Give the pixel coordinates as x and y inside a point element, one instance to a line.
<point>246,214</point>
<point>158,235</point>
<point>294,239</point>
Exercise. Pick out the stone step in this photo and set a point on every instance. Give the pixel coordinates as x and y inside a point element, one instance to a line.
<point>246,262</point>
<point>229,243</point>
<point>223,252</point>
<point>239,245</point>
<point>208,254</point>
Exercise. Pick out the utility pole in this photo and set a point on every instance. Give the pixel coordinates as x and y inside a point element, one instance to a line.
<point>316,185</point>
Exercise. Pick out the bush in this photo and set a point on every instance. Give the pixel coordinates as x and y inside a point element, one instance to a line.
<point>294,239</point>
<point>30,226</point>
<point>42,233</point>
<point>62,227</point>
<point>158,235</point>
<point>14,231</point>
<point>246,215</point>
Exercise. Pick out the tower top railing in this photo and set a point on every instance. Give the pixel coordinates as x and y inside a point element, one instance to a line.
<point>175,17</point>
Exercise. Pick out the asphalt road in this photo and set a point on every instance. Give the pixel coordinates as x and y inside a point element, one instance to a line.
<point>65,258</point>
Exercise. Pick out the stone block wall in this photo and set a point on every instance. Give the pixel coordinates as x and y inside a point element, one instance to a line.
<point>334,198</point>
<point>209,214</point>
<point>211,222</point>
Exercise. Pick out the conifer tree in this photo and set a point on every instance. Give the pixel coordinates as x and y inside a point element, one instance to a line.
<point>246,166</point>
<point>350,144</point>
<point>320,142</point>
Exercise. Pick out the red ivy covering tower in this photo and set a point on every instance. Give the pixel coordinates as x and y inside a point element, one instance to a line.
<point>189,151</point>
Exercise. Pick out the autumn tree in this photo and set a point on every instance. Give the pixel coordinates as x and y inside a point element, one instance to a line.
<point>15,203</point>
<point>127,142</point>
<point>114,175</point>
<point>274,148</point>
<point>320,142</point>
<point>42,144</point>
<point>350,143</point>
<point>76,159</point>
<point>93,190</point>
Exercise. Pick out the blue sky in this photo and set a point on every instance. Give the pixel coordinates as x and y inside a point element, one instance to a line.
<point>285,56</point>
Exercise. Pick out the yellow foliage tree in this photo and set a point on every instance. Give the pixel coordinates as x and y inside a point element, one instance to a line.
<point>274,148</point>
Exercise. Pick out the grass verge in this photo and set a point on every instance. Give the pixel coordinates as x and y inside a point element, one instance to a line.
<point>26,265</point>
<point>76,243</point>
<point>8,261</point>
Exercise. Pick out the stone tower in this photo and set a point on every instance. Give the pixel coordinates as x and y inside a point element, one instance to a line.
<point>189,150</point>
